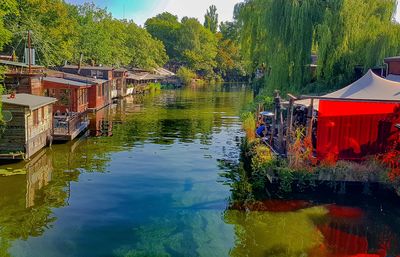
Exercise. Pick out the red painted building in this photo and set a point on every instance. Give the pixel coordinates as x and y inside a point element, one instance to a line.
<point>72,95</point>
<point>20,79</point>
<point>358,120</point>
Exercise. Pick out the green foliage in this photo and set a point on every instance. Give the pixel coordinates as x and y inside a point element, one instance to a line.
<point>249,125</point>
<point>165,27</point>
<point>61,32</point>
<point>154,86</point>
<point>144,51</point>
<point>289,234</point>
<point>197,46</point>
<point>211,19</point>
<point>280,36</point>
<point>186,75</point>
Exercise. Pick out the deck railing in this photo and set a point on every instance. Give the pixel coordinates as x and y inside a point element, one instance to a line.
<point>67,124</point>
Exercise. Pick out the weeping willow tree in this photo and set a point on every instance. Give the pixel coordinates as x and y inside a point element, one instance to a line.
<point>279,37</point>
<point>355,33</point>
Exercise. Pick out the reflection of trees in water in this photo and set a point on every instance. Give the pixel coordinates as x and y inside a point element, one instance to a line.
<point>26,202</point>
<point>260,234</point>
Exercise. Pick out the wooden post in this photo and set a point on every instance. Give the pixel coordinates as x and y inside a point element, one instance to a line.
<point>310,118</point>
<point>29,53</point>
<point>289,122</point>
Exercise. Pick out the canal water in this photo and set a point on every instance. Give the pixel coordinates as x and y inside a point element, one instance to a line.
<point>154,188</point>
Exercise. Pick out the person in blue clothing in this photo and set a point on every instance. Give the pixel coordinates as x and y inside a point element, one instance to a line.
<point>261,130</point>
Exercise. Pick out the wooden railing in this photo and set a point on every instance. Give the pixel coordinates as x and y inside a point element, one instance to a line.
<point>69,123</point>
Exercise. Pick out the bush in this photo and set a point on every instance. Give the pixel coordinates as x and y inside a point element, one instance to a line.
<point>154,86</point>
<point>249,126</point>
<point>186,75</point>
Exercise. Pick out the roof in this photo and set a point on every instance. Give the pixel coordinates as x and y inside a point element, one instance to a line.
<point>369,87</point>
<point>394,58</point>
<point>144,76</point>
<point>19,64</point>
<point>83,78</point>
<point>66,82</point>
<point>33,102</point>
<point>89,67</point>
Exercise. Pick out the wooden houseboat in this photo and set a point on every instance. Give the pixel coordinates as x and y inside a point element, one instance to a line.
<point>28,125</point>
<point>70,112</point>
<point>119,76</point>
<point>23,78</point>
<point>98,92</point>
<point>108,89</point>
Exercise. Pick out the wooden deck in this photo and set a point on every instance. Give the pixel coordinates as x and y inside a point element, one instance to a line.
<point>12,156</point>
<point>67,128</point>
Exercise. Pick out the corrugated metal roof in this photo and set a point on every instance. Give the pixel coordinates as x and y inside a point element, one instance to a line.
<point>19,64</point>
<point>67,82</point>
<point>89,67</point>
<point>33,102</point>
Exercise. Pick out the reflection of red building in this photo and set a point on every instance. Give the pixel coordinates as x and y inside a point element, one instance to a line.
<point>101,123</point>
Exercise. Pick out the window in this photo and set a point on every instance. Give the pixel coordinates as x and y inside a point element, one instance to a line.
<point>35,115</point>
<point>42,113</point>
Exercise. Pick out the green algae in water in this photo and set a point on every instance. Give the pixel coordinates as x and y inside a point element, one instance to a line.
<point>10,172</point>
<point>276,234</point>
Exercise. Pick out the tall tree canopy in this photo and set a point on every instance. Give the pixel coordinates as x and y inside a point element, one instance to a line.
<point>211,19</point>
<point>165,27</point>
<point>281,35</point>
<point>61,32</point>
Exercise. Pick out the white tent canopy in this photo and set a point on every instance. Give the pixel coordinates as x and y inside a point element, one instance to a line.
<point>369,87</point>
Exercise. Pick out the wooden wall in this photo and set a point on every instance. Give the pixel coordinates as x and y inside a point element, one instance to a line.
<point>39,132</point>
<point>13,137</point>
<point>394,67</point>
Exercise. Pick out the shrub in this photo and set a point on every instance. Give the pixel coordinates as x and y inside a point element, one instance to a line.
<point>262,158</point>
<point>154,86</point>
<point>186,75</point>
<point>249,126</point>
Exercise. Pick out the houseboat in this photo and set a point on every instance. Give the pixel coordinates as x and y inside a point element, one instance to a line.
<point>23,78</point>
<point>70,111</point>
<point>119,76</point>
<point>100,95</point>
<point>28,125</point>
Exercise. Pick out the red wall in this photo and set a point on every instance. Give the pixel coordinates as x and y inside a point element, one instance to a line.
<point>97,98</point>
<point>352,130</point>
<point>73,100</point>
<point>394,67</point>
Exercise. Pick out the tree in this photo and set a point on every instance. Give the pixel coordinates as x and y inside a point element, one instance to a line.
<point>211,19</point>
<point>144,50</point>
<point>165,27</point>
<point>54,33</point>
<point>197,46</point>
<point>281,35</point>
<point>7,8</point>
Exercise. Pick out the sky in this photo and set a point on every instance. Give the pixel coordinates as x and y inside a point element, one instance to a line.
<point>141,10</point>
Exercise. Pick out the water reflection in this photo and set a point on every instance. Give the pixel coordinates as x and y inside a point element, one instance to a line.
<point>150,189</point>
